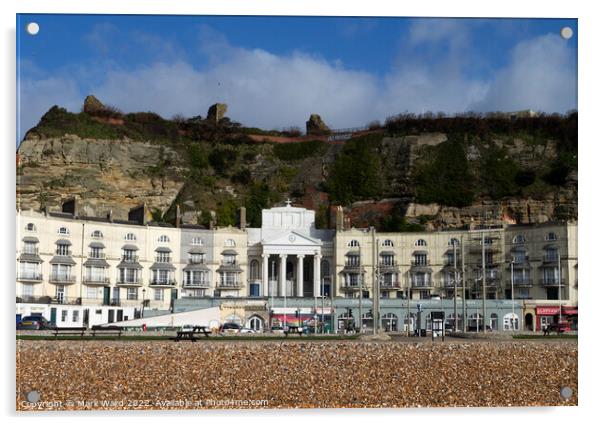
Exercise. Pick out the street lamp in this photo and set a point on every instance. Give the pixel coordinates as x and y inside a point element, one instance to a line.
<point>512,291</point>
<point>143,301</point>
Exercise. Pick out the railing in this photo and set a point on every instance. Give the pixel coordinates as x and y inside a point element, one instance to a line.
<point>519,282</point>
<point>390,285</point>
<point>32,251</point>
<point>232,285</point>
<point>163,282</point>
<point>97,255</point>
<point>352,263</point>
<point>348,286</point>
<point>229,263</point>
<point>550,259</point>
<point>67,253</point>
<point>36,299</point>
<point>160,259</point>
<point>551,282</point>
<point>416,284</point>
<point>62,278</point>
<point>129,258</point>
<point>195,283</point>
<point>415,263</point>
<point>129,281</point>
<point>98,280</point>
<point>192,261</point>
<point>388,264</point>
<point>30,276</point>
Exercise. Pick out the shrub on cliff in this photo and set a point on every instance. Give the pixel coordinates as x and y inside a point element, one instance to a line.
<point>299,150</point>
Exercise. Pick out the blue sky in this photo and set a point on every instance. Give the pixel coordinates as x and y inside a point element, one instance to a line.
<point>274,71</point>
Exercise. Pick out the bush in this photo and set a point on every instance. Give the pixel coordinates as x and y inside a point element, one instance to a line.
<point>221,159</point>
<point>498,174</point>
<point>299,150</point>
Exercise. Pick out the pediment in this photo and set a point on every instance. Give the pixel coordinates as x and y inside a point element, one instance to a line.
<point>292,239</point>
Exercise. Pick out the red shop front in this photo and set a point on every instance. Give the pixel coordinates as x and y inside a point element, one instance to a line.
<point>549,315</point>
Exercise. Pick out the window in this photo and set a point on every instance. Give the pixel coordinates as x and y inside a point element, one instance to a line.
<point>255,272</point>
<point>325,269</point>
<point>196,241</point>
<point>519,257</point>
<point>161,277</point>
<point>158,295</point>
<point>550,255</point>
<point>551,236</point>
<point>130,237</point>
<point>91,292</point>
<point>60,294</point>
<point>30,248</point>
<point>62,249</point>
<point>425,294</point>
<point>453,242</point>
<point>518,239</point>
<point>30,227</point>
<point>420,242</point>
<point>163,238</point>
<point>129,255</point>
<point>230,243</point>
<point>63,231</point>
<point>197,258</point>
<point>229,279</point>
<point>421,279</point>
<point>96,252</point>
<point>353,244</point>
<point>64,315</point>
<point>132,293</point>
<point>196,277</point>
<point>353,260</point>
<point>29,271</point>
<point>420,260</point>
<point>61,272</point>
<point>27,290</point>
<point>97,234</point>
<point>229,259</point>
<point>163,257</point>
<point>75,316</point>
<point>388,242</point>
<point>387,260</point>
<point>128,275</point>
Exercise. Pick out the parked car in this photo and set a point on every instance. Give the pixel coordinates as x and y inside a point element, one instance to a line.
<point>247,331</point>
<point>35,323</point>
<point>230,328</point>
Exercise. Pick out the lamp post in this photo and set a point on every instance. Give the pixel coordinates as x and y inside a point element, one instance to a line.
<point>512,291</point>
<point>559,292</point>
<point>143,302</point>
<point>455,242</point>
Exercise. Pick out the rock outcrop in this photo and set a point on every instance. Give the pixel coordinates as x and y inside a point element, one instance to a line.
<point>315,126</point>
<point>93,105</point>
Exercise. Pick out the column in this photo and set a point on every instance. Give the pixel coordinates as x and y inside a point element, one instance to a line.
<point>317,284</point>
<point>265,270</point>
<point>282,275</point>
<point>300,275</point>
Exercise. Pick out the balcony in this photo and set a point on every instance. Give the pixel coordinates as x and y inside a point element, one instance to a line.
<point>64,253</point>
<point>129,258</point>
<point>35,299</point>
<point>63,279</point>
<point>97,280</point>
<point>31,251</point>
<point>421,284</point>
<point>229,285</point>
<point>551,282</point>
<point>97,255</point>
<point>229,263</point>
<point>130,282</point>
<point>30,277</point>
<point>550,259</point>
<point>390,285</point>
<point>520,282</point>
<point>350,286</point>
<point>163,259</point>
<point>163,282</point>
<point>195,283</point>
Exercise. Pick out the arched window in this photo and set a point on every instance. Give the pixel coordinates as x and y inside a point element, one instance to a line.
<point>255,323</point>
<point>518,239</point>
<point>420,242</point>
<point>63,231</point>
<point>388,242</point>
<point>163,238</point>
<point>97,234</point>
<point>551,236</point>
<point>230,243</point>
<point>324,269</point>
<point>197,241</point>
<point>255,272</point>
<point>353,244</point>
<point>130,237</point>
<point>30,227</point>
<point>453,242</point>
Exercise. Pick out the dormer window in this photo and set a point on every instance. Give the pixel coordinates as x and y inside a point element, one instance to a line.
<point>196,241</point>
<point>163,238</point>
<point>130,237</point>
<point>31,227</point>
<point>353,244</point>
<point>197,258</point>
<point>229,259</point>
<point>518,239</point>
<point>551,236</point>
<point>30,248</point>
<point>63,249</point>
<point>129,255</point>
<point>420,242</point>
<point>163,257</point>
<point>97,234</point>
<point>388,243</point>
<point>230,243</point>
<point>63,231</point>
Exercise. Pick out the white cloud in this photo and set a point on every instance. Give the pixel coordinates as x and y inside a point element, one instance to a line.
<point>542,76</point>
<point>275,91</point>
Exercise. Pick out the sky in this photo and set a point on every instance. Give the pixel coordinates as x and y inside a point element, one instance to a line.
<point>273,72</point>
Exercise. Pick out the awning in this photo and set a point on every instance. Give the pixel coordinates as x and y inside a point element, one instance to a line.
<point>196,251</point>
<point>547,311</point>
<point>96,262</point>
<point>419,252</point>
<point>162,266</point>
<point>163,249</point>
<point>353,254</point>
<point>229,252</point>
<point>130,247</point>
<point>570,310</point>
<point>387,253</point>
<point>30,239</point>
<point>97,245</point>
<point>61,259</point>
<point>63,242</point>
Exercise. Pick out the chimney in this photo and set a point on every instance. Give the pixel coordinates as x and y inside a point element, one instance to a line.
<point>70,207</point>
<point>178,215</point>
<point>340,218</point>
<point>243,218</point>
<point>139,214</point>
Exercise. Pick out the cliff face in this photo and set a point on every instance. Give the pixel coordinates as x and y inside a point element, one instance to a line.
<point>435,174</point>
<point>103,174</point>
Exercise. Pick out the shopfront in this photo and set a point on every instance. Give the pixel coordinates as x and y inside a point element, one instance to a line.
<point>548,315</point>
